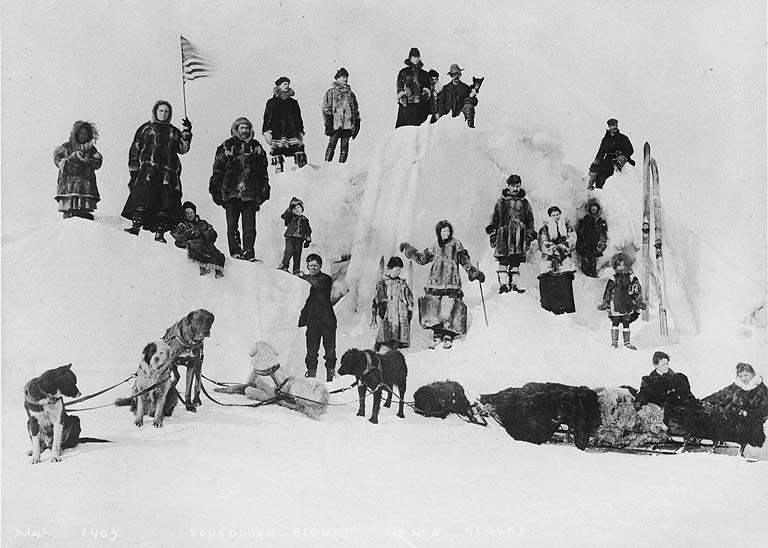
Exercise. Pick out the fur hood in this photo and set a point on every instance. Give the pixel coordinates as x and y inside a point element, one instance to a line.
<point>756,381</point>
<point>439,227</point>
<point>241,120</point>
<point>94,134</point>
<point>506,193</point>
<point>154,112</point>
<point>277,92</point>
<point>593,202</point>
<point>419,64</point>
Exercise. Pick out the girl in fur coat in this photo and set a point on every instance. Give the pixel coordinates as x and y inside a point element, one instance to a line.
<point>557,241</point>
<point>341,115</point>
<point>623,299</point>
<point>442,309</point>
<point>78,160</point>
<point>283,127</point>
<point>198,236</point>
<point>394,305</point>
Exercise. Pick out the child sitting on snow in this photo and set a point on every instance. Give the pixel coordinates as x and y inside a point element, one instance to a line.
<point>197,236</point>
<point>297,234</point>
<point>623,298</point>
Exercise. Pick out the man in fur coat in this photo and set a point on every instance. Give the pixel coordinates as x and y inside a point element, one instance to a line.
<point>240,184</point>
<point>283,127</point>
<point>442,309</point>
<point>557,241</point>
<point>511,232</point>
<point>413,91</point>
<point>341,115</point>
<point>455,95</point>
<point>197,237</point>
<point>591,238</point>
<point>615,151</point>
<point>154,202</point>
<point>78,160</point>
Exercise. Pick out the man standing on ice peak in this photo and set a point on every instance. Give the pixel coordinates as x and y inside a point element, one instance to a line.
<point>283,127</point>
<point>413,90</point>
<point>615,151</point>
<point>341,115</point>
<point>240,184</point>
<point>455,94</point>
<point>511,232</point>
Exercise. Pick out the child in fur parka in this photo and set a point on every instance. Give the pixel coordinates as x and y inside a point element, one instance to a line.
<point>623,298</point>
<point>78,160</point>
<point>298,234</point>
<point>393,303</point>
<point>197,237</point>
<point>341,115</point>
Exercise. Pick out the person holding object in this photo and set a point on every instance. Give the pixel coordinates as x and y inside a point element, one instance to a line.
<point>78,160</point>
<point>154,202</point>
<point>442,309</point>
<point>298,234</point>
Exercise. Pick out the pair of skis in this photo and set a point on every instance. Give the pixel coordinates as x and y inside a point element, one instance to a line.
<point>651,195</point>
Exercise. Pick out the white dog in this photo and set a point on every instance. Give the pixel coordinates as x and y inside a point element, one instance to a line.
<point>305,395</point>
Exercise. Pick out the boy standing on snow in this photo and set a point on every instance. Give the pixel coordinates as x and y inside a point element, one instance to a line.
<point>319,318</point>
<point>623,298</point>
<point>511,232</point>
<point>298,234</point>
<point>342,117</point>
<point>283,127</point>
<point>394,305</point>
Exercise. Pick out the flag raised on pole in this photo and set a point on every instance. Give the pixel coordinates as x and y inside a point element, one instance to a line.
<point>193,64</point>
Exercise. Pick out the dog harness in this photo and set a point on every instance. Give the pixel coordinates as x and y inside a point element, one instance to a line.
<point>36,405</point>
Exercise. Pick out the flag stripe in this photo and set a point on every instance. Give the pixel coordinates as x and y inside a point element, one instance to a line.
<point>194,64</point>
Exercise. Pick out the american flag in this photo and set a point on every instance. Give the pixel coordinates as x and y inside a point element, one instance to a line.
<point>193,63</point>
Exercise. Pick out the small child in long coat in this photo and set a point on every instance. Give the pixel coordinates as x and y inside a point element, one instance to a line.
<point>77,160</point>
<point>394,305</point>
<point>623,299</point>
<point>298,234</point>
<point>197,237</point>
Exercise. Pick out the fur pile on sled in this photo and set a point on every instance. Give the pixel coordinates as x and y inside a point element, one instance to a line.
<point>307,396</point>
<point>535,412</point>
<point>622,426</point>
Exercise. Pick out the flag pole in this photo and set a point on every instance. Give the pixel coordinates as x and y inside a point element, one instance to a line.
<point>183,79</point>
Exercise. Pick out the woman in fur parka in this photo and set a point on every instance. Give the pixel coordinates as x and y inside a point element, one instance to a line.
<point>413,91</point>
<point>442,309</point>
<point>557,240</point>
<point>78,160</point>
<point>341,115</point>
<point>283,127</point>
<point>154,202</point>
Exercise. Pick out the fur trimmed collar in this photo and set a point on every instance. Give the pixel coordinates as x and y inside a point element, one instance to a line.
<point>280,94</point>
<point>341,87</point>
<point>552,228</point>
<point>408,62</point>
<point>508,193</point>
<point>756,381</point>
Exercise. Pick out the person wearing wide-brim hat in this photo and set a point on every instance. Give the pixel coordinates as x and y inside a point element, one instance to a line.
<point>413,89</point>
<point>455,94</point>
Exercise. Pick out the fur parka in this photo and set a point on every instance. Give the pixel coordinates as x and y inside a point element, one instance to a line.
<point>340,105</point>
<point>623,296</point>
<point>746,400</point>
<point>77,162</point>
<point>198,237</point>
<point>282,120</point>
<point>297,226</point>
<point>591,233</point>
<point>557,241</point>
<point>670,390</point>
<point>512,223</point>
<point>394,294</point>
<point>240,169</point>
<point>446,257</point>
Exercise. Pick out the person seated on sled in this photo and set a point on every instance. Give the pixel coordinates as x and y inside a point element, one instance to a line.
<point>735,413</point>
<point>442,309</point>
<point>665,388</point>
<point>615,151</point>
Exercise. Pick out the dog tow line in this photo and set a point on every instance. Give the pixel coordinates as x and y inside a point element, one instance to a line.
<point>133,396</point>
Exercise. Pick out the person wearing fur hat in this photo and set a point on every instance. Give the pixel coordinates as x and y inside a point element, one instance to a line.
<point>240,184</point>
<point>511,232</point>
<point>455,95</point>
<point>442,309</point>
<point>154,202</point>
<point>197,237</point>
<point>298,234</point>
<point>341,115</point>
<point>623,299</point>
<point>615,151</point>
<point>283,127</point>
<point>413,91</point>
<point>78,160</point>
<point>591,238</point>
<point>557,240</point>
<point>393,303</point>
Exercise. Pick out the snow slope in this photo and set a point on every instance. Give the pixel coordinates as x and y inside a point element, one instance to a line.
<point>89,294</point>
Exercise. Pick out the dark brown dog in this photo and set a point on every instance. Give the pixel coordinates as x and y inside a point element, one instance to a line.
<point>440,398</point>
<point>48,424</point>
<point>376,372</point>
<point>186,339</point>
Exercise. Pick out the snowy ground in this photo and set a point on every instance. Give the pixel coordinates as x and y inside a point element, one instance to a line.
<point>89,294</point>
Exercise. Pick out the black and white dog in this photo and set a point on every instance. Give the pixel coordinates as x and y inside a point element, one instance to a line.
<point>48,424</point>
